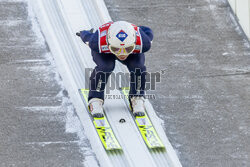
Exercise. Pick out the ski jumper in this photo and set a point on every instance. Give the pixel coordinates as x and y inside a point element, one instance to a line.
<point>105,60</point>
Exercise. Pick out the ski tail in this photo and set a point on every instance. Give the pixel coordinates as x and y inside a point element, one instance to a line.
<point>102,127</point>
<point>144,125</point>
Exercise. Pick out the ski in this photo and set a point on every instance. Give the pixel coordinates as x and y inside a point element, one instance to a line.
<point>102,127</point>
<point>144,125</point>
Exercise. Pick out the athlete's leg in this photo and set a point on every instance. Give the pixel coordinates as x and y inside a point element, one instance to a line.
<point>105,64</point>
<point>137,69</point>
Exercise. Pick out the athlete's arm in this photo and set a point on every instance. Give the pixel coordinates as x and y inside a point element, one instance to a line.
<point>91,39</point>
<point>147,37</point>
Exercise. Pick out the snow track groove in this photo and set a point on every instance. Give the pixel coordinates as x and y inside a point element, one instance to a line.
<point>59,20</point>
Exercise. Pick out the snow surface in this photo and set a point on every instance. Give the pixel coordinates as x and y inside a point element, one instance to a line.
<point>73,124</point>
<point>72,57</point>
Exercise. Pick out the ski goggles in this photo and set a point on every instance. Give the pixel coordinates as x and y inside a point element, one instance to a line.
<point>122,51</point>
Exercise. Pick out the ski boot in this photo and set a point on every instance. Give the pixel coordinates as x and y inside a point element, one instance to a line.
<point>96,108</point>
<point>137,104</point>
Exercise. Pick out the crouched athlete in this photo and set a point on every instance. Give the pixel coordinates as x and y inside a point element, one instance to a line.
<point>126,43</point>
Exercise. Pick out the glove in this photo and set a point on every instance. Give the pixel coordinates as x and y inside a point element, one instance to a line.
<point>79,33</point>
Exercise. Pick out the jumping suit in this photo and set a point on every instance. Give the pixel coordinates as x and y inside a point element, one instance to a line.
<point>105,60</point>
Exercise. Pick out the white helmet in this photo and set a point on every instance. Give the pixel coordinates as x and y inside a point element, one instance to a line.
<point>121,38</point>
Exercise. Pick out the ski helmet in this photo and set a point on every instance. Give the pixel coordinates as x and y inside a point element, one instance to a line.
<point>121,38</point>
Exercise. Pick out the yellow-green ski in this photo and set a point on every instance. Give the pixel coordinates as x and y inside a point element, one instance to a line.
<point>103,128</point>
<point>145,126</point>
